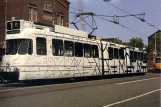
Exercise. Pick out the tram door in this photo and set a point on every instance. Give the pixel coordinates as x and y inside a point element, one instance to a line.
<point>91,64</point>
<point>69,59</point>
<point>134,60</point>
<point>78,59</point>
<point>57,58</point>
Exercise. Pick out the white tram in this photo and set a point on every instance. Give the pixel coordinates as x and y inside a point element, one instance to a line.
<point>41,52</point>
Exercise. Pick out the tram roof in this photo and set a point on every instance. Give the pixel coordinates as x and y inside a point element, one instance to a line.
<point>70,31</point>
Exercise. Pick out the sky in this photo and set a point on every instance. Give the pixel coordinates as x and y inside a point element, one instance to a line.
<point>152,9</point>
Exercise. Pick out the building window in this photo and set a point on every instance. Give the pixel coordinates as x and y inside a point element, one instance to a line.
<point>48,6</point>
<point>33,13</point>
<point>57,47</point>
<point>60,19</point>
<point>41,46</point>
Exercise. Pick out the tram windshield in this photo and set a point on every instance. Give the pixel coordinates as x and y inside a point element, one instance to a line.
<point>158,60</point>
<point>19,46</point>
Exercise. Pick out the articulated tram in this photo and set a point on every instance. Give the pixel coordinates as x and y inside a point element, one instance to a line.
<point>40,52</point>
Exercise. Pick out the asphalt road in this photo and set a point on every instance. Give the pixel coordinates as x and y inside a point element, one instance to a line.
<point>139,91</point>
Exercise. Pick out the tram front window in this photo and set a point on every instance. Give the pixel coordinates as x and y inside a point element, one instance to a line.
<point>20,46</point>
<point>158,60</point>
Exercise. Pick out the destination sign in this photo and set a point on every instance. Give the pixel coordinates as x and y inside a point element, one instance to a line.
<point>13,31</point>
<point>15,25</point>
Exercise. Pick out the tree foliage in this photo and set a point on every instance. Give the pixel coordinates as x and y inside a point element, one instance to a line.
<point>137,42</point>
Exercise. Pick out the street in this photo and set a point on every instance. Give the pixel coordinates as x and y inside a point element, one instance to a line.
<point>137,91</point>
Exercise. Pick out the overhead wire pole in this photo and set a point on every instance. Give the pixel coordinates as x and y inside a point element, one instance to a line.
<point>80,10</point>
<point>5,19</point>
<point>6,3</point>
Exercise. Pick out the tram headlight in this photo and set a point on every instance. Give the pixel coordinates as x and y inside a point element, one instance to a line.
<point>8,67</point>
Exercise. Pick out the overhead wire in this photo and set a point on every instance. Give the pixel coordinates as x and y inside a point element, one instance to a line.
<point>134,16</point>
<point>122,26</point>
<point>101,17</point>
<point>129,14</point>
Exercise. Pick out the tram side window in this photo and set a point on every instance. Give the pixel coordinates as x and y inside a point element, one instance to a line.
<point>78,49</point>
<point>20,46</point>
<point>110,52</point>
<point>25,47</point>
<point>145,57</point>
<point>116,54</point>
<point>87,50</point>
<point>139,55</point>
<point>30,48</point>
<point>132,57</point>
<point>135,55</point>
<point>94,51</point>
<point>121,54</point>
<point>41,46</point>
<point>57,47</point>
<point>68,48</point>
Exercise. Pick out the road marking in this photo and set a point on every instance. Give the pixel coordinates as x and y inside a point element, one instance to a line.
<point>136,81</point>
<point>129,99</point>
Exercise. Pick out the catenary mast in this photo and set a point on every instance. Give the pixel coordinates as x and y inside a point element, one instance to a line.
<point>80,10</point>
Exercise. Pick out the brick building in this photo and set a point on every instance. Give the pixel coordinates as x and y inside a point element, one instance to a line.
<point>154,42</point>
<point>45,12</point>
<point>155,37</point>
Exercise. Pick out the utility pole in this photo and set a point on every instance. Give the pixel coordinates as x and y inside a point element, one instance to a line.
<point>6,3</point>
<point>80,10</point>
<point>54,13</point>
<point>155,49</point>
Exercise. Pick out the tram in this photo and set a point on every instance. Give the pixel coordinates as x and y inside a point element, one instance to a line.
<point>158,64</point>
<point>36,52</point>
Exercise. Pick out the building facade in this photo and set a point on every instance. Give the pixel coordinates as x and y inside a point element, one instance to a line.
<point>154,47</point>
<point>154,42</point>
<point>47,12</point>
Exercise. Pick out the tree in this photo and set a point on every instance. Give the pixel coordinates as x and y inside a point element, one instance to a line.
<point>137,42</point>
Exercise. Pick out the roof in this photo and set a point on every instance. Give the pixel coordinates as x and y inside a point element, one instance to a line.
<point>70,31</point>
<point>154,33</point>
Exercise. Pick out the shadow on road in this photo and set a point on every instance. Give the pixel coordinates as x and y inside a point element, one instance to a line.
<point>30,83</point>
